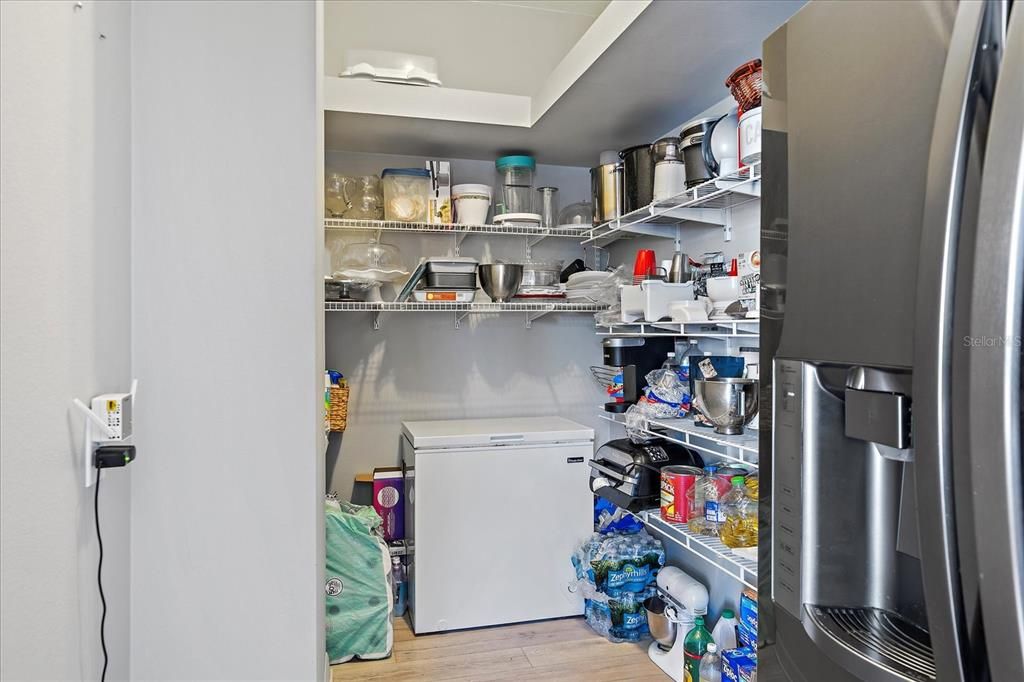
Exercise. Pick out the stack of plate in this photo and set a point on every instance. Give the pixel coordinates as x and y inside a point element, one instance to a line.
<point>587,287</point>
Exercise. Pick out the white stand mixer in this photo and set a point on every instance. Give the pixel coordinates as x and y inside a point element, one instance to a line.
<point>682,599</point>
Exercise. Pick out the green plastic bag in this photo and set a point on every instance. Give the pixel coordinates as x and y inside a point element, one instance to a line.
<point>358,587</point>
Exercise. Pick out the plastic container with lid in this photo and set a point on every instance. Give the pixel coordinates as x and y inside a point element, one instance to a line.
<point>370,262</point>
<point>406,193</point>
<point>515,183</point>
<point>578,214</point>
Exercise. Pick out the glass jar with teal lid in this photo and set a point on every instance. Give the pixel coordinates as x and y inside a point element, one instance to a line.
<point>515,185</point>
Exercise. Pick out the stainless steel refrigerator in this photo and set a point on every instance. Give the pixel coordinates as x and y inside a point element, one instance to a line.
<point>892,513</point>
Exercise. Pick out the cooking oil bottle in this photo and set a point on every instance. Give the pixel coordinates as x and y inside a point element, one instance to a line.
<point>740,526</point>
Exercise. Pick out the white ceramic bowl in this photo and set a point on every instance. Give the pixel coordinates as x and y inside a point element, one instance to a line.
<point>723,290</point>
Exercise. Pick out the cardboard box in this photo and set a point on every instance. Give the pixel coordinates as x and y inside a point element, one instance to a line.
<point>748,610</point>
<point>746,636</point>
<point>389,501</point>
<point>738,664</point>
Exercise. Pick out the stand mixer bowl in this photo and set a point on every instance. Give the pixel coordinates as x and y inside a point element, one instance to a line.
<point>729,403</point>
<point>662,628</point>
<point>501,281</point>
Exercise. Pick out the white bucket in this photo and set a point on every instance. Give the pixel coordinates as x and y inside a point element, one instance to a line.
<point>472,202</point>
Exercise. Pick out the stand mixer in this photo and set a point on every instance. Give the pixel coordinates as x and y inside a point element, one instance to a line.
<point>670,615</point>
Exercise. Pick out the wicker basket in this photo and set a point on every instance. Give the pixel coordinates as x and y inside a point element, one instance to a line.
<point>337,411</point>
<point>745,85</point>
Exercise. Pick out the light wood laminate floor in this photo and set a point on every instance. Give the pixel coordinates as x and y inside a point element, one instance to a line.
<point>564,649</point>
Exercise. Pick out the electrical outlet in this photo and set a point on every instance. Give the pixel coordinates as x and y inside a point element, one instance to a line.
<point>114,410</point>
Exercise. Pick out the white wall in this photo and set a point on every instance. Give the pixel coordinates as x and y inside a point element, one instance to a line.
<point>227,501</point>
<point>64,251</point>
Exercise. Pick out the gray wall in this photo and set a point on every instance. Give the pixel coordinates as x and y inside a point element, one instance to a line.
<point>227,506</point>
<point>418,366</point>
<point>65,331</point>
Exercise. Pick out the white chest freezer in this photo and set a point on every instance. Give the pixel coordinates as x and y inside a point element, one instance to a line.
<point>494,510</point>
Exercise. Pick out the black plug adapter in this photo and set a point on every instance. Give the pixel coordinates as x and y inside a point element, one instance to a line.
<point>107,456</point>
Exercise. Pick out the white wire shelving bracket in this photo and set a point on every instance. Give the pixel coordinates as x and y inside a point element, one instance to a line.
<point>741,449</point>
<point>532,310</point>
<point>711,549</point>
<point>733,328</point>
<point>710,202</point>
<point>533,235</point>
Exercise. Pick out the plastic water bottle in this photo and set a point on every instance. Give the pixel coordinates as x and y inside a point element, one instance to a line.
<point>702,501</point>
<point>671,363</point>
<point>693,353</point>
<point>711,665</point>
<point>725,631</point>
<point>398,584</point>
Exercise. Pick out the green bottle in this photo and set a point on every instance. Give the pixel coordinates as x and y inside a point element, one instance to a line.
<point>694,647</point>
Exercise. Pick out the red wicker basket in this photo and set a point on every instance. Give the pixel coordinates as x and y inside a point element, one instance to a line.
<point>745,84</point>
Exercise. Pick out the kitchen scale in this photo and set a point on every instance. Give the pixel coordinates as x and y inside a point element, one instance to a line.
<point>685,599</point>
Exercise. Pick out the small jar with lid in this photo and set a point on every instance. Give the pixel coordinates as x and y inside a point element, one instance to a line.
<point>406,194</point>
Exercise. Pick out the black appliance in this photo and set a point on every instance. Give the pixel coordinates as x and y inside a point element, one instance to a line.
<point>628,474</point>
<point>636,357</point>
<point>637,177</point>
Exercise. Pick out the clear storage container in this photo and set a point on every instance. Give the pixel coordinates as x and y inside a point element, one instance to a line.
<point>406,193</point>
<point>515,184</point>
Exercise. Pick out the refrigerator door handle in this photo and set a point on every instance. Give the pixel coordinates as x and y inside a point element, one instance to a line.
<point>994,362</point>
<point>947,163</point>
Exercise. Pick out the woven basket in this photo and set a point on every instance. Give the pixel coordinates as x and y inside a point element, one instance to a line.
<point>337,411</point>
<point>745,85</point>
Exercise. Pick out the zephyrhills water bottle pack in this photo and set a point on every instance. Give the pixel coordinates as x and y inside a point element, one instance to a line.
<point>616,573</point>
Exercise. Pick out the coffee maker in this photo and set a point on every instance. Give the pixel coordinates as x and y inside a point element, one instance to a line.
<point>633,358</point>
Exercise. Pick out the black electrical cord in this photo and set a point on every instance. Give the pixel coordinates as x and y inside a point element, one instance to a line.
<point>99,577</point>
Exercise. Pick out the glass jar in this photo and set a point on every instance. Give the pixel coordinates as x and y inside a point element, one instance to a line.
<point>548,200</point>
<point>406,193</point>
<point>364,198</point>
<point>335,204</point>
<point>515,185</point>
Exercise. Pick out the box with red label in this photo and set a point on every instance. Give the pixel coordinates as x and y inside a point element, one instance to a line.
<point>388,501</point>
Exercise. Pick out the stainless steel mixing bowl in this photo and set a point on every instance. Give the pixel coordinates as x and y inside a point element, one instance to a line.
<point>663,630</point>
<point>501,281</point>
<point>730,404</point>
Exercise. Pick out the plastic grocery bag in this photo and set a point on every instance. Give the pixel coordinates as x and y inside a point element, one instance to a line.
<point>358,589</point>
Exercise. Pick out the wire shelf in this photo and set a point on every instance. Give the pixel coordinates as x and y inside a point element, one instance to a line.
<point>706,203</point>
<point>456,229</point>
<point>741,449</point>
<point>475,307</point>
<point>739,329</point>
<point>711,549</point>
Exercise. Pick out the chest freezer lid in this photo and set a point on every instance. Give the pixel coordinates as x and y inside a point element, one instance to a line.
<point>487,432</point>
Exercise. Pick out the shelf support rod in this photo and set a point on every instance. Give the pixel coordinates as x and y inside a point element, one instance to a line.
<point>459,238</point>
<point>459,317</point>
<point>377,318</point>
<point>530,317</point>
<point>727,224</point>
